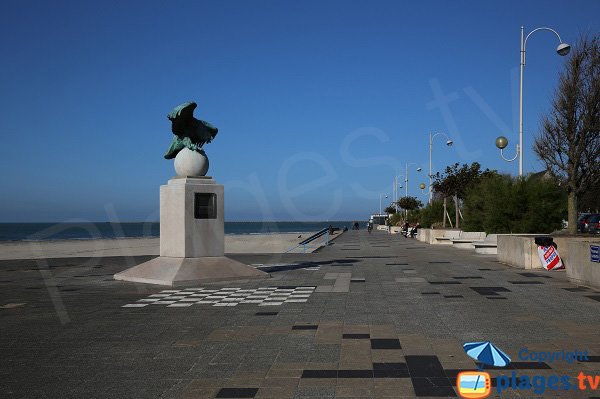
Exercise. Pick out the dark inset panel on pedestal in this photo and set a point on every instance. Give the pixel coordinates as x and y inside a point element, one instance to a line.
<point>205,206</point>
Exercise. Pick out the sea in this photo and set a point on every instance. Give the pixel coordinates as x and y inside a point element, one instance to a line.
<point>87,231</point>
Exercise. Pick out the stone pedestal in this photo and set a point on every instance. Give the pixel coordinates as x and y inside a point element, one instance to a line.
<point>192,238</point>
<point>191,218</point>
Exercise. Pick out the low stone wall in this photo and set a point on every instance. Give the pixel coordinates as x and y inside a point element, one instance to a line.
<point>429,235</point>
<point>517,251</point>
<point>581,270</point>
<point>520,250</point>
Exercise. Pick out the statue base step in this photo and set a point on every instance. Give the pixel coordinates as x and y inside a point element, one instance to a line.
<point>176,272</point>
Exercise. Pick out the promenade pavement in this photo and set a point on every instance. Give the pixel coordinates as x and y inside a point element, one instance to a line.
<point>370,316</point>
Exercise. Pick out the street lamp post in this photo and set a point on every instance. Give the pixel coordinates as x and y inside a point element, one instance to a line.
<point>380,210</point>
<point>501,142</point>
<point>448,143</point>
<point>396,185</point>
<point>406,175</point>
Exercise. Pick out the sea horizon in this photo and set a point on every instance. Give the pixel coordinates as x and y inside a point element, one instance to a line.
<point>46,231</point>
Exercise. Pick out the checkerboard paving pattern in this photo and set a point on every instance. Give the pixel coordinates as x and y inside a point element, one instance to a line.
<point>265,296</point>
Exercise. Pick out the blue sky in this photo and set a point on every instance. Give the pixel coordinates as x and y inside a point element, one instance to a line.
<point>319,104</point>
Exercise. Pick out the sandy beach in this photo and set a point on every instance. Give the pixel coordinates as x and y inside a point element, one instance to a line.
<point>234,244</point>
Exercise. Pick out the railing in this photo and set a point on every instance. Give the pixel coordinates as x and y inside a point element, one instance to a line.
<point>318,234</point>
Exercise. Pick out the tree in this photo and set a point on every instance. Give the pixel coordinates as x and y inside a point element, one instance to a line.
<point>390,210</point>
<point>409,203</point>
<point>569,142</point>
<point>456,181</point>
<point>501,204</point>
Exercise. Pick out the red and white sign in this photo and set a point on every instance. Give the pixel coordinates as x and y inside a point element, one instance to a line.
<point>550,258</point>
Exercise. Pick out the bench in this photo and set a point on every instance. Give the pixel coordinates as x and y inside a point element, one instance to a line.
<point>448,237</point>
<point>487,246</point>
<point>467,238</point>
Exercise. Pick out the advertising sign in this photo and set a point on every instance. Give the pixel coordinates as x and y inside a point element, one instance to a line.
<point>550,258</point>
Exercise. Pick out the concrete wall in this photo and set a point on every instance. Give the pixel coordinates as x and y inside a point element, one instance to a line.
<point>520,250</point>
<point>581,270</point>
<point>517,251</point>
<point>429,235</point>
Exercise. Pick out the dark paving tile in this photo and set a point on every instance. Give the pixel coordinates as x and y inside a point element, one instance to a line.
<point>385,343</point>
<point>534,275</point>
<point>496,297</point>
<point>489,291</point>
<point>430,293</point>
<point>453,373</point>
<point>485,270</point>
<point>356,336</point>
<point>591,359</point>
<point>358,280</point>
<point>424,366</point>
<point>319,374</point>
<point>517,366</point>
<point>396,264</point>
<point>265,313</point>
<point>594,297</point>
<point>237,393</point>
<point>576,289</point>
<point>453,296</point>
<point>375,257</point>
<point>390,366</point>
<point>305,327</point>
<point>444,282</point>
<point>468,277</point>
<point>526,282</point>
<point>355,374</point>
<point>437,262</point>
<point>390,374</point>
<point>439,386</point>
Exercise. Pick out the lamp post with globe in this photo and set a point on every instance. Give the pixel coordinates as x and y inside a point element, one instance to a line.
<point>501,142</point>
<point>449,144</point>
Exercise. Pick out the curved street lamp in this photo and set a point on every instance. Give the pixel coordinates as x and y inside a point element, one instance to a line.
<point>501,142</point>
<point>448,143</point>
<point>381,195</point>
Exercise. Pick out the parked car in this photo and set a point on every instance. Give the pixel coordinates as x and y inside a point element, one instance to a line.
<point>582,221</point>
<point>593,224</point>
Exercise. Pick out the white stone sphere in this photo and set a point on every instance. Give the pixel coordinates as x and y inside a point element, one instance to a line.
<point>191,163</point>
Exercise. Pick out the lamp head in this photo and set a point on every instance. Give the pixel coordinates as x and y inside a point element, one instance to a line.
<point>449,143</point>
<point>422,186</point>
<point>419,169</point>
<point>563,49</point>
<point>501,142</point>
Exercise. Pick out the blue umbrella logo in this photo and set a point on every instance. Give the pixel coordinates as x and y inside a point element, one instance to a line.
<point>486,353</point>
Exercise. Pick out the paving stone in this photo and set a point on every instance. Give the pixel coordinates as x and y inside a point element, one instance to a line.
<point>382,331</point>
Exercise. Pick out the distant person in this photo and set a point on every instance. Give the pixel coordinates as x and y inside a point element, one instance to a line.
<point>415,230</point>
<point>330,230</point>
<point>369,227</point>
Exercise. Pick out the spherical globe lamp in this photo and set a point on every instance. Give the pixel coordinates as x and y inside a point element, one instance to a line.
<point>501,142</point>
